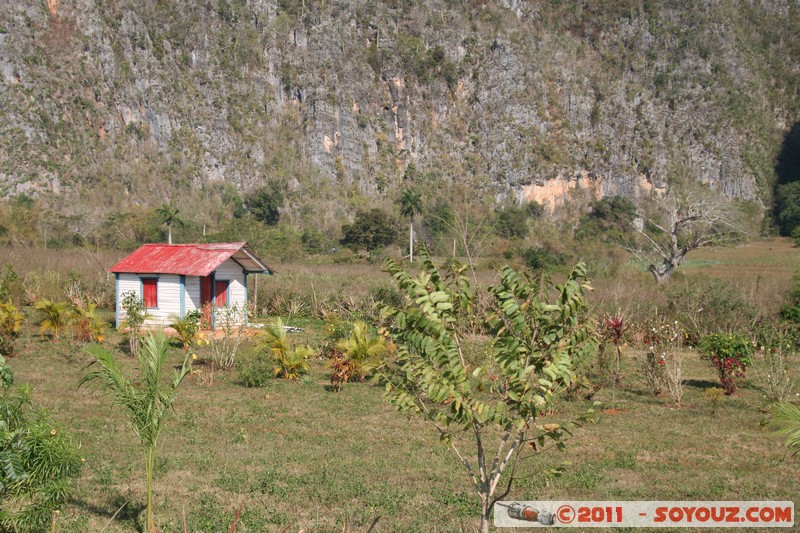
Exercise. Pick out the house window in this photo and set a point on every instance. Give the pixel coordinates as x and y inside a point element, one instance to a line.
<point>150,292</point>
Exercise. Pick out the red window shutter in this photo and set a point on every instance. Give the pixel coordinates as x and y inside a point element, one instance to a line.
<point>150,290</point>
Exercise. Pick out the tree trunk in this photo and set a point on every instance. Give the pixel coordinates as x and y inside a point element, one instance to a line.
<point>486,512</point>
<point>668,266</point>
<point>169,234</point>
<point>411,241</point>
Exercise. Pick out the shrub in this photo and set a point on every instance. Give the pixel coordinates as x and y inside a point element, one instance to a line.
<point>363,349</point>
<point>288,362</point>
<point>135,315</point>
<point>186,328</point>
<point>55,316</point>
<point>254,368</point>
<point>544,258</point>
<point>512,223</point>
<point>730,355</point>
<point>88,326</point>
<point>771,366</point>
<point>11,320</point>
<point>37,460</point>
<point>704,306</point>
<point>230,322</point>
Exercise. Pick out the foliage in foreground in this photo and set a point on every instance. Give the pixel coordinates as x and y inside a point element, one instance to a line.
<point>494,394</point>
<point>785,420</point>
<point>37,460</point>
<point>146,400</point>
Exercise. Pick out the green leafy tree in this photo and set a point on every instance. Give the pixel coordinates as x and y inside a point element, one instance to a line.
<point>145,400</point>
<point>787,208</point>
<point>511,223</point>
<point>369,231</point>
<point>37,460</point>
<point>169,217</point>
<point>264,204</point>
<point>608,219</point>
<point>410,203</point>
<point>486,396</point>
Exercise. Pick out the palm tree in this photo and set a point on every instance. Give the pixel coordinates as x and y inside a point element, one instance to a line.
<point>410,202</point>
<point>785,420</point>
<point>56,316</point>
<point>290,361</point>
<point>146,400</point>
<point>363,348</point>
<point>169,216</point>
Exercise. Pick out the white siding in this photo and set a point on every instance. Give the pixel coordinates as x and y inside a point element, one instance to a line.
<point>192,300</point>
<point>169,296</point>
<point>231,271</point>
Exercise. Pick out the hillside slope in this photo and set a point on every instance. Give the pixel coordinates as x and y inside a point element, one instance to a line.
<point>107,105</point>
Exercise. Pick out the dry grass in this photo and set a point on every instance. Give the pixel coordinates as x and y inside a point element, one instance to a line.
<point>299,457</point>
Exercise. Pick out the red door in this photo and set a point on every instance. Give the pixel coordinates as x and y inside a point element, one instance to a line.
<point>221,293</point>
<point>205,301</point>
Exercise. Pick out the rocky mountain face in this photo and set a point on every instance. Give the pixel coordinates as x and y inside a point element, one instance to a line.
<point>108,104</point>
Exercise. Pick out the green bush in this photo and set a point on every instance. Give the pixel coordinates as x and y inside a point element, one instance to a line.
<point>543,258</point>
<point>254,368</point>
<point>37,460</point>
<point>730,355</point>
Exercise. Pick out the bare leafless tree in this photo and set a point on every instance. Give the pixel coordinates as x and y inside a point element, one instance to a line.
<point>684,221</point>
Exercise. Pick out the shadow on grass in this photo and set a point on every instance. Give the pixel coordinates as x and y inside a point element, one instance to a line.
<point>118,508</point>
<point>701,384</point>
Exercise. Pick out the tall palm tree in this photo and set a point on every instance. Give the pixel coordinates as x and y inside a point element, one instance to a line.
<point>410,202</point>
<point>169,217</point>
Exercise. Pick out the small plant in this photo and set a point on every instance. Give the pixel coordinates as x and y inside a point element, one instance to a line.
<point>230,321</point>
<point>88,326</point>
<point>289,362</point>
<point>186,328</point>
<point>11,320</point>
<point>771,366</point>
<point>145,400</point>
<point>37,460</point>
<point>613,330</point>
<point>715,396</point>
<point>730,355</point>
<point>363,349</point>
<point>135,316</point>
<point>342,371</point>
<point>254,368</point>
<point>55,317</point>
<point>662,363</point>
<point>785,420</point>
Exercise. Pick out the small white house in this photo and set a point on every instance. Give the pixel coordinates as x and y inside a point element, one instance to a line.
<point>176,279</point>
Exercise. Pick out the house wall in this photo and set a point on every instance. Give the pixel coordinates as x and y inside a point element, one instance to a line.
<point>169,296</point>
<point>169,293</point>
<point>230,270</point>
<point>192,298</point>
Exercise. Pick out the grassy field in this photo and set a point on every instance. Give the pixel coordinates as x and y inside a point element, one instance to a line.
<point>297,457</point>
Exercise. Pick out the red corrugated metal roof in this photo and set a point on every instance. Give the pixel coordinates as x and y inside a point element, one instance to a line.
<point>188,259</point>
